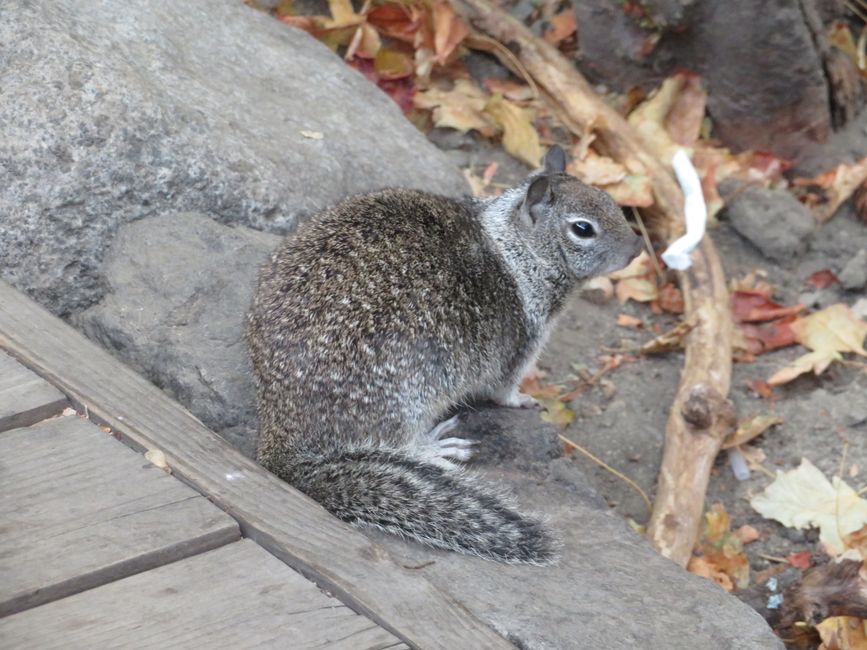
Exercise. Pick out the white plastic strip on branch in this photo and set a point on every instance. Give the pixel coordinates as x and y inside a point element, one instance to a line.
<point>694,209</point>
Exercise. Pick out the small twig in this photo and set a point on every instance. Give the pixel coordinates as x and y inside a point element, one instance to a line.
<point>648,244</point>
<point>502,52</point>
<point>855,10</point>
<point>608,468</point>
<point>772,558</point>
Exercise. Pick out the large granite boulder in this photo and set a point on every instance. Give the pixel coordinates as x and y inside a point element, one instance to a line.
<point>180,286</point>
<point>111,111</point>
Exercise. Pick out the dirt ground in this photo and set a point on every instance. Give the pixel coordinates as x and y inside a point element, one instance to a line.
<point>623,423</point>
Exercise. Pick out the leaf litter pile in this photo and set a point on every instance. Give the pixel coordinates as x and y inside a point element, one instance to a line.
<point>416,51</point>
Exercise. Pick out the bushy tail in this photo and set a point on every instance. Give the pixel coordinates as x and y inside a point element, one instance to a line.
<point>408,497</point>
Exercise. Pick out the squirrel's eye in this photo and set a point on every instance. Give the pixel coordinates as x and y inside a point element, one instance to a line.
<point>583,229</point>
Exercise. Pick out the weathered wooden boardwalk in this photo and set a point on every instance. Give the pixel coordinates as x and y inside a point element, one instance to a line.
<point>101,548</point>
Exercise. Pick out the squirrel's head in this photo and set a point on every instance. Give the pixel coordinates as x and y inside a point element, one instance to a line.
<point>575,222</point>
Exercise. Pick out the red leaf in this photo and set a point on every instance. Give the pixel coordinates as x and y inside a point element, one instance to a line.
<point>800,560</point>
<point>754,306</point>
<point>761,388</point>
<point>769,336</point>
<point>822,279</point>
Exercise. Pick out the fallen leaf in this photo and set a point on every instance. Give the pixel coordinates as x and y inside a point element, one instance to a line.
<point>751,306</point>
<point>843,633</point>
<point>751,428</point>
<point>700,566</point>
<point>68,411</point>
<point>390,64</point>
<point>804,497</point>
<point>625,320</point>
<point>561,27</point>
<point>516,91</point>
<point>815,362</point>
<point>635,190</point>
<point>747,534</point>
<point>638,289</point>
<point>834,328</point>
<point>761,388</point>
<point>449,31</point>
<point>638,267</point>
<point>801,559</point>
<point>764,337</point>
<point>829,333</point>
<point>822,279</point>
<point>520,137</point>
<point>671,299</point>
<point>461,107</point>
<point>721,551</point>
<point>594,169</point>
<point>313,135</point>
<point>158,458</point>
<point>836,185</point>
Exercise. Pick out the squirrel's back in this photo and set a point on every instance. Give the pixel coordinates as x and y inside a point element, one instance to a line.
<point>384,313</point>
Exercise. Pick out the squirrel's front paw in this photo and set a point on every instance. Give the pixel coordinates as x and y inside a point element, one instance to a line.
<point>517,400</point>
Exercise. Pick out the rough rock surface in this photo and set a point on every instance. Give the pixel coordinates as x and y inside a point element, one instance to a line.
<point>854,274</point>
<point>608,590</point>
<point>179,288</point>
<point>112,111</point>
<point>773,221</point>
<point>743,49</point>
<point>180,285</point>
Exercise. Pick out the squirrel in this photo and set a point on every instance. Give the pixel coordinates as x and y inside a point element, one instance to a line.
<point>382,314</point>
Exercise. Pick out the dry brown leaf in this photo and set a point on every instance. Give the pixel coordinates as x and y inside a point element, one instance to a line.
<point>843,633</point>
<point>625,320</point>
<point>594,169</point>
<point>461,107</point>
<point>838,185</point>
<point>833,328</point>
<point>721,555</point>
<point>828,333</point>
<point>635,190</point>
<point>562,26</point>
<point>449,31</point>
<point>751,428</point>
<point>637,289</point>
<point>520,137</point>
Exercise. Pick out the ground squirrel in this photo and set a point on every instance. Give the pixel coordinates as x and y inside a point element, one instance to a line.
<point>382,314</point>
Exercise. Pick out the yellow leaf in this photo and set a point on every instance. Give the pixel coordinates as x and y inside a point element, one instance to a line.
<point>804,497</point>
<point>635,190</point>
<point>638,289</point>
<point>834,329</point>
<point>462,107</point>
<point>751,428</point>
<point>597,170</point>
<point>556,412</point>
<point>520,138</point>
<point>816,362</point>
<point>843,633</point>
<point>342,14</point>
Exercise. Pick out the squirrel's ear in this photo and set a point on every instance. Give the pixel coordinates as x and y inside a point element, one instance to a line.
<point>538,193</point>
<point>555,160</point>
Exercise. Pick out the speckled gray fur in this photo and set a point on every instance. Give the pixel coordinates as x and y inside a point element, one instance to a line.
<point>384,313</point>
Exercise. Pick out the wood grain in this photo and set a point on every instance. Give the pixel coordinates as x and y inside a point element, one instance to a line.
<point>79,509</point>
<point>237,596</point>
<point>25,398</point>
<point>288,524</point>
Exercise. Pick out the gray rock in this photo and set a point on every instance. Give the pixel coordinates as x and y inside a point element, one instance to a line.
<point>609,590</point>
<point>772,220</point>
<point>757,97</point>
<point>854,274</point>
<point>180,285</point>
<point>112,111</point>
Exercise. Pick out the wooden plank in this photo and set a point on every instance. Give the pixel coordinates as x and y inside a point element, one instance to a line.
<point>237,596</point>
<point>288,524</point>
<point>25,398</point>
<point>79,509</point>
